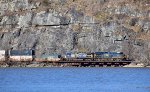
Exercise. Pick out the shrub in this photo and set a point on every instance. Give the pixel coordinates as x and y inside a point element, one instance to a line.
<point>45,2</point>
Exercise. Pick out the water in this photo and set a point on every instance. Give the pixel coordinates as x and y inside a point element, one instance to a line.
<point>74,79</point>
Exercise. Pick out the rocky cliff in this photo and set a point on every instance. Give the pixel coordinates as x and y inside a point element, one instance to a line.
<point>50,26</point>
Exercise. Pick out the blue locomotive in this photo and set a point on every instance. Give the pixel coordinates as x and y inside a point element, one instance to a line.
<point>114,56</point>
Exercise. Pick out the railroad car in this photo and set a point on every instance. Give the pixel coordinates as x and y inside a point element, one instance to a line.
<point>69,56</point>
<point>20,55</point>
<point>78,56</point>
<point>54,57</point>
<point>49,57</point>
<point>85,56</point>
<point>109,56</point>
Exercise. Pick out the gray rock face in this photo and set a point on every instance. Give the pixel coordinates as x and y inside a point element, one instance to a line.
<point>58,26</point>
<point>46,18</point>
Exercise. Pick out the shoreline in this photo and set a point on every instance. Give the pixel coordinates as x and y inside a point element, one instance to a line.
<point>137,65</point>
<point>42,65</point>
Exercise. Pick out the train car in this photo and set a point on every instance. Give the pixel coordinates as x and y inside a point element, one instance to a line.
<point>54,57</point>
<point>69,56</point>
<point>78,56</point>
<point>85,56</point>
<point>117,55</point>
<point>109,56</point>
<point>2,55</point>
<point>49,57</point>
<point>20,55</point>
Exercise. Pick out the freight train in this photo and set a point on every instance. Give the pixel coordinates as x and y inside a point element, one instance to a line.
<point>28,55</point>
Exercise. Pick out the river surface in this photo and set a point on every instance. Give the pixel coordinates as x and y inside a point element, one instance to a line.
<point>74,79</point>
